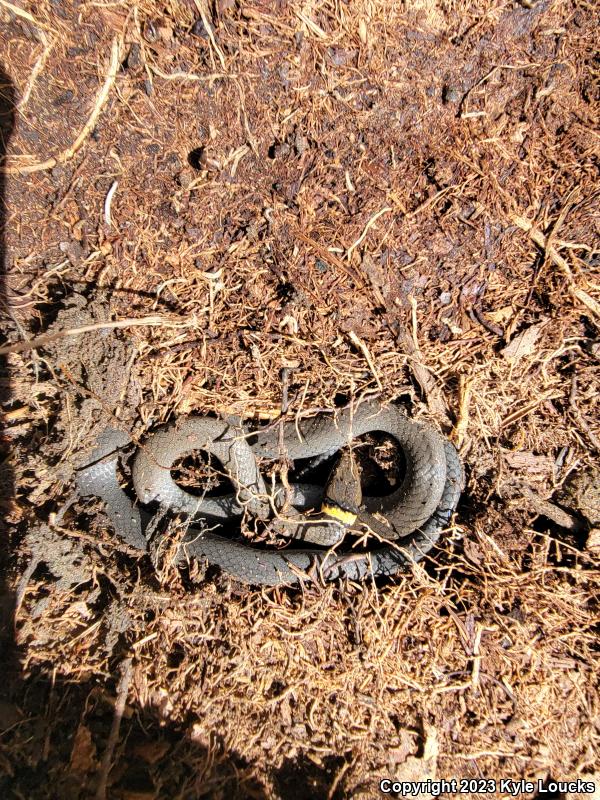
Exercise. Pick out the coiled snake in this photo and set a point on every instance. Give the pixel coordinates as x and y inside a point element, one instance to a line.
<point>416,512</point>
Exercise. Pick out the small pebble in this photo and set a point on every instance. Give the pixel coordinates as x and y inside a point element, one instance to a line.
<point>150,34</point>
<point>185,178</point>
<point>134,58</point>
<point>65,97</point>
<point>31,136</point>
<point>450,94</point>
<point>281,150</point>
<point>199,29</point>
<point>593,539</point>
<point>300,144</point>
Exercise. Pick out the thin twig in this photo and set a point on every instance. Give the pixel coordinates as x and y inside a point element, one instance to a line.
<point>369,224</point>
<point>23,583</point>
<point>210,32</point>
<point>108,202</point>
<point>122,689</point>
<point>368,358</point>
<point>285,384</point>
<point>66,155</point>
<point>20,12</point>
<point>538,505</point>
<point>47,338</point>
<point>190,76</point>
<point>465,386</point>
<point>542,241</point>
<point>329,257</point>
<point>37,69</point>
<point>579,416</point>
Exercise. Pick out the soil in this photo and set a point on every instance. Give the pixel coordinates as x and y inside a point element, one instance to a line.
<point>256,206</point>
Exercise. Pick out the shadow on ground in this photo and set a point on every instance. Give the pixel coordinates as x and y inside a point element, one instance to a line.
<point>54,733</point>
<point>7,653</point>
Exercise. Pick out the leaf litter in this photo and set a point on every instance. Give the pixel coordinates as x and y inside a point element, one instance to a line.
<point>379,199</point>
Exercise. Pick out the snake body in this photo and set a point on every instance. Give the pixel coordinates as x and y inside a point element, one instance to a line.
<point>420,508</point>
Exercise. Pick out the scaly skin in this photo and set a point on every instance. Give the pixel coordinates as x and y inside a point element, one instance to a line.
<point>423,503</point>
<point>271,568</point>
<point>406,509</point>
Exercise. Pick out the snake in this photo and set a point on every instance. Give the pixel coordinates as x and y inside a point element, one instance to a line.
<point>407,522</point>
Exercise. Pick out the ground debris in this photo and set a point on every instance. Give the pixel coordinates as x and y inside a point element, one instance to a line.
<point>379,198</point>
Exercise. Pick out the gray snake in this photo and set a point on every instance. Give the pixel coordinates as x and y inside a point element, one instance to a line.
<point>419,508</point>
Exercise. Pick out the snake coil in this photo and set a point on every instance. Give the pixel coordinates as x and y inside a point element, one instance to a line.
<point>417,511</point>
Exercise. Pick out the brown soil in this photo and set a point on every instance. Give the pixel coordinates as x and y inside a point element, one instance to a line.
<point>372,198</point>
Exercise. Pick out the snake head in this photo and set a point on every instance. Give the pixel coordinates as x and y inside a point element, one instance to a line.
<point>343,493</point>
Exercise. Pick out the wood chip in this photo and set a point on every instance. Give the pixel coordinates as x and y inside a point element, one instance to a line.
<point>523,344</point>
<point>593,540</point>
<point>527,461</point>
